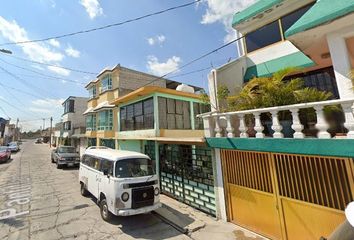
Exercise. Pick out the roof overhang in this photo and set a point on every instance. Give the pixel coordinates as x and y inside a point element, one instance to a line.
<point>266,69</point>
<point>322,12</point>
<point>148,90</point>
<point>264,12</point>
<point>103,106</point>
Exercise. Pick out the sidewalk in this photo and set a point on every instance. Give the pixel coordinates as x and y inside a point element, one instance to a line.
<point>198,225</point>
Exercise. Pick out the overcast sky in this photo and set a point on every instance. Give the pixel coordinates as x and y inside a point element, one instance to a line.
<point>156,45</point>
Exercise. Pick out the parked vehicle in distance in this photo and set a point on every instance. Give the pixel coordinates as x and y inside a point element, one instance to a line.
<point>38,140</point>
<point>13,146</point>
<point>65,156</point>
<point>123,182</point>
<point>5,154</point>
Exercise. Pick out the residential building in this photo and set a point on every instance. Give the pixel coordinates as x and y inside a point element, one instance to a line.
<point>286,188</point>
<point>162,123</point>
<point>281,33</point>
<point>3,123</point>
<point>109,85</point>
<point>73,123</point>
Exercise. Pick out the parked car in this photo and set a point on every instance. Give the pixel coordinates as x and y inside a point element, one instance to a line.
<point>38,140</point>
<point>5,154</point>
<point>65,156</point>
<point>13,146</point>
<point>123,182</point>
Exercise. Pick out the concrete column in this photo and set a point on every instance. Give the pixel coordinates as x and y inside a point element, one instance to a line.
<point>219,186</point>
<point>341,64</point>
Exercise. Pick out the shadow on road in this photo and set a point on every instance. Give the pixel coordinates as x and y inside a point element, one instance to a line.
<point>150,227</point>
<point>13,222</point>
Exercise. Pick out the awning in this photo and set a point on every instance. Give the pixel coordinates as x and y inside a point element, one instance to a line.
<point>266,69</point>
<point>102,106</point>
<point>254,10</point>
<point>322,12</point>
<point>88,111</point>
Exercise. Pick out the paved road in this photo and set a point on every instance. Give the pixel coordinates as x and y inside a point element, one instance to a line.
<point>38,201</point>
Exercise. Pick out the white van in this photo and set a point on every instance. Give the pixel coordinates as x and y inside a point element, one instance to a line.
<point>124,183</point>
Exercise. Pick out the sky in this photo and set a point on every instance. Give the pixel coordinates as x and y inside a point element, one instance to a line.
<point>156,45</point>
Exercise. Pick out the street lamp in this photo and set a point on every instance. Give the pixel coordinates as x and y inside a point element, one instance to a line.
<point>5,51</point>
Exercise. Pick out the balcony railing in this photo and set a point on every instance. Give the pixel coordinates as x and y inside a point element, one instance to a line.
<point>234,124</point>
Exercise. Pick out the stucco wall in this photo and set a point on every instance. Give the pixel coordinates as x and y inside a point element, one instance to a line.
<point>131,145</point>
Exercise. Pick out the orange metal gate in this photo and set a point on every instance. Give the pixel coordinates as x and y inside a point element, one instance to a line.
<point>286,196</point>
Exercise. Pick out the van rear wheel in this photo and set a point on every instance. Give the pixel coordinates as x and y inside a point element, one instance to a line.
<point>83,190</point>
<point>105,213</point>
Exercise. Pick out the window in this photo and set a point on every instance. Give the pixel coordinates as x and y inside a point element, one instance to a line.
<point>107,165</point>
<point>263,37</point>
<point>105,120</point>
<point>322,79</point>
<point>137,116</point>
<point>288,20</point>
<point>67,126</point>
<point>271,33</point>
<point>91,161</point>
<point>199,108</point>
<point>106,83</point>
<point>174,114</point>
<point>91,142</point>
<point>92,92</point>
<point>108,143</point>
<point>91,122</point>
<point>69,106</point>
<point>66,150</point>
<point>135,167</point>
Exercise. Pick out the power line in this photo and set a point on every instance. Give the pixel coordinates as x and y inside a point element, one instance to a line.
<point>21,110</point>
<point>188,73</point>
<point>42,74</point>
<point>105,26</point>
<point>19,90</point>
<point>51,65</point>
<point>194,60</point>
<point>21,80</point>
<point>5,113</point>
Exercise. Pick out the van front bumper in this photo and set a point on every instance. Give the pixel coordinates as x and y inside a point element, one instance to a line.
<point>129,212</point>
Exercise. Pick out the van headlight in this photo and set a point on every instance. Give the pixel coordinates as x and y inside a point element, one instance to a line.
<point>156,191</point>
<point>125,196</point>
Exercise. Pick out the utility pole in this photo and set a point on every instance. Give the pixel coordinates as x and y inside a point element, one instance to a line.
<point>50,134</point>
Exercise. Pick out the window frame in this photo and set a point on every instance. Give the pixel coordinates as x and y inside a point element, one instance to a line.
<point>107,123</point>
<point>106,83</point>
<point>128,116</point>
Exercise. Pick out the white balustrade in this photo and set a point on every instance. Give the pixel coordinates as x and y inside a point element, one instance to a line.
<point>258,125</point>
<point>218,129</point>
<point>242,128</point>
<point>349,119</point>
<point>229,128</point>
<point>276,125</point>
<point>296,126</point>
<point>321,125</point>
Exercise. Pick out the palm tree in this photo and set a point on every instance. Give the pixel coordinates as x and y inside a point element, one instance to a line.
<point>274,91</point>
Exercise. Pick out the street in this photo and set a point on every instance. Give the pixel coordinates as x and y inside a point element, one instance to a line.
<point>38,201</point>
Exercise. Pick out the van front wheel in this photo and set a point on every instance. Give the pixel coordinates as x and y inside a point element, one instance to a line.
<point>105,213</point>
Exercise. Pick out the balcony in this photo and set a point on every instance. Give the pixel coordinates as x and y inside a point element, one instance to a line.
<point>234,124</point>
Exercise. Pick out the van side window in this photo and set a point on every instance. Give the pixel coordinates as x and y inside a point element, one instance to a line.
<point>96,163</point>
<point>107,165</point>
<point>84,159</point>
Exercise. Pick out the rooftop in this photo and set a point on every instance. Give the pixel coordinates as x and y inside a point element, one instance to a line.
<point>324,11</point>
<point>112,154</point>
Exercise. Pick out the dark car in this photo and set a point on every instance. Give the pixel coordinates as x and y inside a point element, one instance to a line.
<point>38,140</point>
<point>65,156</point>
<point>5,154</point>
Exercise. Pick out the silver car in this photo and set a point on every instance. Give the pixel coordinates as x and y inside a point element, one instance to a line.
<point>65,156</point>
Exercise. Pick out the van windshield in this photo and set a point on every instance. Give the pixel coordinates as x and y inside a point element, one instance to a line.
<point>135,167</point>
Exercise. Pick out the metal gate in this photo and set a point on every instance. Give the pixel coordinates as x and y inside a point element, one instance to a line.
<point>287,196</point>
<point>186,174</point>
